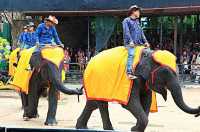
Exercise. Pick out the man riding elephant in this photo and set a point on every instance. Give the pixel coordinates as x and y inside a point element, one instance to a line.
<point>46,70</point>
<point>45,33</point>
<point>108,78</point>
<point>30,36</point>
<point>21,38</point>
<point>27,40</point>
<point>133,36</point>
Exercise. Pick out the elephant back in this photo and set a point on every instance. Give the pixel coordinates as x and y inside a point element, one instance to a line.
<point>105,76</point>
<point>165,58</point>
<point>53,54</point>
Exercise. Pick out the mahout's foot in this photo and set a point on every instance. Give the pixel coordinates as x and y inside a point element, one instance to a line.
<point>132,77</point>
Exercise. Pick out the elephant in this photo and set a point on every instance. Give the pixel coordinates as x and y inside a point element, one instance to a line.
<point>140,98</point>
<point>45,74</point>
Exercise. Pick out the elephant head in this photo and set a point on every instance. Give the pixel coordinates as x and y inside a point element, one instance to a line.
<point>49,72</point>
<point>162,78</point>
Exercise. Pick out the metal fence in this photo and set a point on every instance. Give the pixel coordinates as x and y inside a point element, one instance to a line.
<point>188,73</point>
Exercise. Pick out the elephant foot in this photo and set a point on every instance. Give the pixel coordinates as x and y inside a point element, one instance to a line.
<point>81,126</point>
<point>109,128</point>
<point>51,122</point>
<point>28,117</point>
<point>136,129</point>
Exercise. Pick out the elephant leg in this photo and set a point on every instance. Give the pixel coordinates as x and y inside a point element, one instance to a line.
<point>103,108</point>
<point>146,104</point>
<point>52,99</point>
<point>146,101</point>
<point>30,111</point>
<point>85,115</point>
<point>135,107</point>
<point>24,99</point>
<point>137,111</point>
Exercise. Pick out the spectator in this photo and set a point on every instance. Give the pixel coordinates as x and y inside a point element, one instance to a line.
<point>198,58</point>
<point>184,59</point>
<point>21,38</point>
<point>67,60</point>
<point>81,60</point>
<point>157,47</point>
<point>197,66</point>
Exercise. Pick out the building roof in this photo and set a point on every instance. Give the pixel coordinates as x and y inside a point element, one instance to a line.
<point>95,7</point>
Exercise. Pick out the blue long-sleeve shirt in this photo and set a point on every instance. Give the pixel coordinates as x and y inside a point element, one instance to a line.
<point>21,38</point>
<point>45,35</point>
<point>30,39</point>
<point>132,32</point>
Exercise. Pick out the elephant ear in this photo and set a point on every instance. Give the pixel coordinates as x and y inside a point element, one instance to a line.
<point>145,66</point>
<point>161,90</point>
<point>157,81</point>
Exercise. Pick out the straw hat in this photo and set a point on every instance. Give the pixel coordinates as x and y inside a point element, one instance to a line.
<point>52,19</point>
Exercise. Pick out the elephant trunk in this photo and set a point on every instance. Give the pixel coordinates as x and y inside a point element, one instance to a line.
<point>60,87</point>
<point>176,93</point>
<point>57,83</point>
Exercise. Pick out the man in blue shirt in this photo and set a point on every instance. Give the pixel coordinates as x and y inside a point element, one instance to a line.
<point>133,36</point>
<point>46,32</point>
<point>22,38</point>
<point>30,37</point>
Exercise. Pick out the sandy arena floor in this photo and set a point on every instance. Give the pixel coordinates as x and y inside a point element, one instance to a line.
<point>169,118</point>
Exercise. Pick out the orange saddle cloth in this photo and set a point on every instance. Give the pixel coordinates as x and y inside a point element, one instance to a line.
<point>165,58</point>
<point>13,59</point>
<point>22,75</point>
<point>105,76</point>
<point>53,54</point>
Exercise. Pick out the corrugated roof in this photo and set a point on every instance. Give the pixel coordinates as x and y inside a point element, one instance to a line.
<point>98,6</point>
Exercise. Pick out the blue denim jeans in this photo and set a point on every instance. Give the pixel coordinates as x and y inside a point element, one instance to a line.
<point>131,54</point>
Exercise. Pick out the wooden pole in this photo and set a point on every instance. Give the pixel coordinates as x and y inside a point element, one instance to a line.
<point>88,46</point>
<point>161,32</point>
<point>175,34</point>
<point>181,34</point>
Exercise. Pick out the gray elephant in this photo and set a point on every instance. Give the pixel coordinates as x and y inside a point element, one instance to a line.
<point>159,78</point>
<point>46,74</point>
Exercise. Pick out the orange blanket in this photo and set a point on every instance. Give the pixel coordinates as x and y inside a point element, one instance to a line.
<point>54,54</point>
<point>22,76</point>
<point>13,59</point>
<point>105,76</point>
<point>165,58</point>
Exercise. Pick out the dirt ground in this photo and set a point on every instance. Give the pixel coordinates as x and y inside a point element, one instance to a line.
<point>169,118</point>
